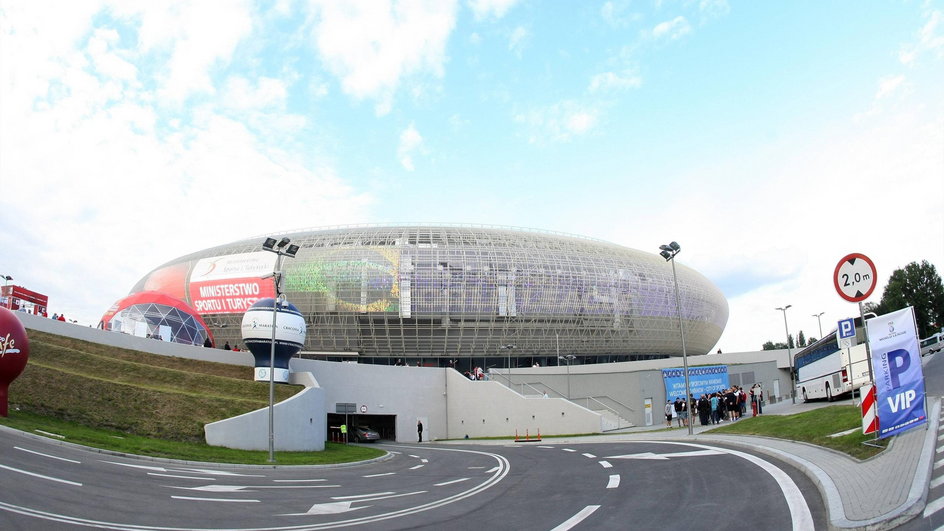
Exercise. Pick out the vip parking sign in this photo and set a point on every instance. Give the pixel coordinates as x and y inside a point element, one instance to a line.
<point>899,381</point>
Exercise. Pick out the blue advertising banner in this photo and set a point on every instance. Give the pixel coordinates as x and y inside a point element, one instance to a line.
<point>899,381</point>
<point>701,380</point>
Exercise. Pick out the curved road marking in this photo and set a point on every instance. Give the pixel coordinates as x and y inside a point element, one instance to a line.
<point>796,503</point>
<point>577,518</point>
<point>499,474</point>
<point>35,475</point>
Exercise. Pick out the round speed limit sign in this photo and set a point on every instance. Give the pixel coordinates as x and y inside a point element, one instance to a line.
<point>854,277</point>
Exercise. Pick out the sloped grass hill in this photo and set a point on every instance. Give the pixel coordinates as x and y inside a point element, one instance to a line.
<point>135,392</point>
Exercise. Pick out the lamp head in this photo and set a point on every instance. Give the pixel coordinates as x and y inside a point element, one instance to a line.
<point>675,246</point>
<point>269,244</point>
<point>665,248</point>
<point>291,250</point>
<point>666,254</point>
<point>283,242</point>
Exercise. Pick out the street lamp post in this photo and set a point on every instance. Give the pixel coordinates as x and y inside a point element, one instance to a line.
<point>668,252</point>
<point>789,355</point>
<point>508,349</point>
<point>280,248</point>
<point>6,282</point>
<point>820,322</point>
<point>568,358</point>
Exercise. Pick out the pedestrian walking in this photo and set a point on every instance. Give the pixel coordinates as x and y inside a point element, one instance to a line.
<point>419,430</point>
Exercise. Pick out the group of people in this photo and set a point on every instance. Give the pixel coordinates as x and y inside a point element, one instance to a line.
<point>476,374</point>
<point>726,405</point>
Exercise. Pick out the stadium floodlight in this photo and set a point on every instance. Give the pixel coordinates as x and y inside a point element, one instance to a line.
<point>668,252</point>
<point>820,322</point>
<point>279,249</point>
<point>789,355</point>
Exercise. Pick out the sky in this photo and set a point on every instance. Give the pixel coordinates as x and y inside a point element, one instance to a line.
<point>769,139</point>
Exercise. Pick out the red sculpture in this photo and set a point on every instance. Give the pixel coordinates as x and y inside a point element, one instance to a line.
<point>14,353</point>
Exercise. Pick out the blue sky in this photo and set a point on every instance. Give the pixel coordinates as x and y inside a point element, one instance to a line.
<point>769,139</point>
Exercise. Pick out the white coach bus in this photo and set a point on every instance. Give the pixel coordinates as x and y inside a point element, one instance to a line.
<point>823,370</point>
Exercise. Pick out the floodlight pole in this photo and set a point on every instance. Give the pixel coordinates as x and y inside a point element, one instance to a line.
<point>277,248</point>
<point>668,252</point>
<point>819,321</point>
<point>789,355</point>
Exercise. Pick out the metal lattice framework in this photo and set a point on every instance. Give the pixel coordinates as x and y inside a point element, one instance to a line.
<point>453,291</point>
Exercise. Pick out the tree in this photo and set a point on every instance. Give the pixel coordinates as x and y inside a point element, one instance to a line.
<point>920,286</point>
<point>770,345</point>
<point>801,339</point>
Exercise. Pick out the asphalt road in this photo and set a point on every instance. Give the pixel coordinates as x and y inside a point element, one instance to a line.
<point>638,485</point>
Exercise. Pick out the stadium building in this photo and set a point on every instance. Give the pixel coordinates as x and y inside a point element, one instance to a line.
<point>453,296</point>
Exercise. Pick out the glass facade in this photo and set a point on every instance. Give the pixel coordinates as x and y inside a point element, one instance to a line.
<point>452,292</point>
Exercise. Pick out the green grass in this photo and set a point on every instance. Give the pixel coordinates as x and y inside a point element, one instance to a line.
<point>134,392</point>
<point>814,427</point>
<point>117,441</point>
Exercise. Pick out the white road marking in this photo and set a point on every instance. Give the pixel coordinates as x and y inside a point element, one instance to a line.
<point>492,470</point>
<point>844,433</point>
<point>937,482</point>
<point>331,508</point>
<point>568,449</point>
<point>414,456</point>
<point>933,507</point>
<point>417,466</point>
<point>250,488</point>
<point>186,469</point>
<point>939,464</point>
<point>56,435</point>
<point>198,478</point>
<point>378,475</point>
<point>545,447</point>
<point>385,497</point>
<point>606,464</point>
<point>940,437</point>
<point>799,511</point>
<point>577,518</point>
<point>360,496</point>
<point>940,449</point>
<point>297,480</point>
<point>46,455</point>
<point>591,456</point>
<point>614,481</point>
<point>451,482</point>
<point>225,500</point>
<point>650,455</point>
<point>476,467</point>
<point>424,460</point>
<point>35,475</point>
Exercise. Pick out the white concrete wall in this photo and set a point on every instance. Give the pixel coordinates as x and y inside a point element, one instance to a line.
<point>410,393</point>
<point>489,409</point>
<point>298,423</point>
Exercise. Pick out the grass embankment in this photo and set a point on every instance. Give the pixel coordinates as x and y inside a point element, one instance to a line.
<point>141,403</point>
<point>814,427</point>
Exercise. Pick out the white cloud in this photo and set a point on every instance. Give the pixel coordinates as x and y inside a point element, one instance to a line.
<point>888,85</point>
<point>930,39</point>
<point>243,94</point>
<point>559,122</point>
<point>410,141</point>
<point>518,40</point>
<point>371,45</point>
<point>608,81</point>
<point>617,14</point>
<point>672,29</point>
<point>490,8</point>
<point>123,186</point>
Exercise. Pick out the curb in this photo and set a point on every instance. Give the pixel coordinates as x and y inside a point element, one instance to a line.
<point>204,464</point>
